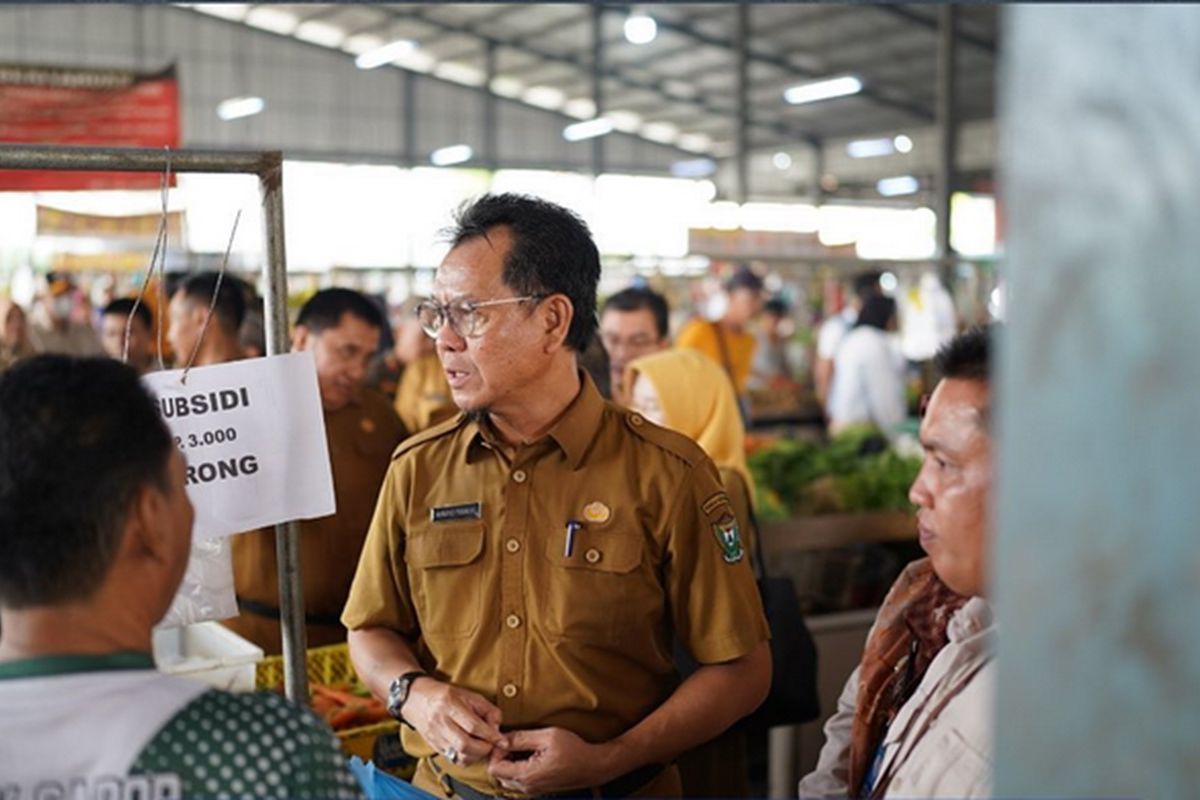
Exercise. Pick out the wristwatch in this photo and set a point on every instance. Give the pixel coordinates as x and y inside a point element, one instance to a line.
<point>398,692</point>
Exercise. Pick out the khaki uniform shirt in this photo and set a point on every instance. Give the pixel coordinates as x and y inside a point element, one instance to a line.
<point>467,558</point>
<point>361,439</point>
<point>423,396</point>
<point>74,340</point>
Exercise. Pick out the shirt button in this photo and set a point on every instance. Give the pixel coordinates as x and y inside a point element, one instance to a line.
<point>519,476</point>
<point>592,556</point>
<point>513,621</point>
<point>512,545</point>
<point>636,419</point>
<point>510,690</point>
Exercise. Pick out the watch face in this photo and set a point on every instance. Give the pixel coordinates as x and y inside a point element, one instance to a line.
<point>397,694</point>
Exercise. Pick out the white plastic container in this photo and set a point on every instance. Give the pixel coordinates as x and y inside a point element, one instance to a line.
<point>208,652</point>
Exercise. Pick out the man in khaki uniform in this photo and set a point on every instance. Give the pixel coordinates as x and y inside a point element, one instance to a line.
<point>531,560</point>
<point>342,329</point>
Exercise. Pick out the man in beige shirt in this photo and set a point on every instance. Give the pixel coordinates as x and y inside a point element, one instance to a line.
<point>531,560</point>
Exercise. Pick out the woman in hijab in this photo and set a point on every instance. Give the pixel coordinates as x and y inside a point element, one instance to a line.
<point>688,392</point>
<point>14,334</point>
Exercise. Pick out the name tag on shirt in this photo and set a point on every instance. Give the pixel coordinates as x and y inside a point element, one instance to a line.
<point>456,513</point>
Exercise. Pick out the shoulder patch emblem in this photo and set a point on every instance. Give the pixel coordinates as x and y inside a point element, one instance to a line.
<point>729,538</point>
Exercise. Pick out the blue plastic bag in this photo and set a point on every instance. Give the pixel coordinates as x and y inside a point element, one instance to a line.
<point>379,785</point>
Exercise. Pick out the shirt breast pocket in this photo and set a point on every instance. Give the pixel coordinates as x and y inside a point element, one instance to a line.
<point>446,571</point>
<point>594,591</point>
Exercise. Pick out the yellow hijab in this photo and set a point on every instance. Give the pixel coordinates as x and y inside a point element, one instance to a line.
<point>698,401</point>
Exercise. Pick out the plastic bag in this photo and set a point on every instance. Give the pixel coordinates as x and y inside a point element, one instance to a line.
<point>378,785</point>
<point>206,592</point>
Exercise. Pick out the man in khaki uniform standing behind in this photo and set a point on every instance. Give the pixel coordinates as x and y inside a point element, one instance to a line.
<point>531,560</point>
<point>341,328</point>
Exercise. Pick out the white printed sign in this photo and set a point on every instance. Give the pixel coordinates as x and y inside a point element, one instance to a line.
<point>253,435</point>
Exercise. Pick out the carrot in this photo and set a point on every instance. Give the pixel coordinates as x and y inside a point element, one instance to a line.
<point>337,696</point>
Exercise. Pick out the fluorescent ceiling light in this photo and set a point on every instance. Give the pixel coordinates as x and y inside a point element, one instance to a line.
<point>870,148</point>
<point>699,142</point>
<point>625,121</point>
<point>460,73</point>
<point>640,28</point>
<point>694,168</point>
<point>454,154</point>
<point>580,108</point>
<point>385,55</point>
<point>662,132</point>
<point>544,97</point>
<point>903,144</point>
<point>236,11</point>
<point>900,185</point>
<point>272,19</point>
<point>505,86</point>
<point>321,33</point>
<point>238,107</point>
<point>823,90</point>
<point>781,161</point>
<point>589,129</point>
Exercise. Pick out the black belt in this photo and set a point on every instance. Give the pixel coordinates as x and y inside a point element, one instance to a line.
<point>622,786</point>
<point>271,612</point>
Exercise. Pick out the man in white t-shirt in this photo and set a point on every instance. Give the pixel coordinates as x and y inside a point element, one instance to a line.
<point>96,535</point>
<point>835,327</point>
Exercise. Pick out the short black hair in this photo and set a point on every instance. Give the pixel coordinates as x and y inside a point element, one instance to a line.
<point>325,309</point>
<point>126,306</point>
<point>877,311</point>
<point>968,356</point>
<point>635,298</point>
<point>78,438</point>
<point>552,252</point>
<point>230,309</point>
<point>744,278</point>
<point>866,285</point>
<point>777,307</point>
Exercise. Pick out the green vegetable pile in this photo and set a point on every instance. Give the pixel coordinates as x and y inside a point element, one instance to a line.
<point>856,471</point>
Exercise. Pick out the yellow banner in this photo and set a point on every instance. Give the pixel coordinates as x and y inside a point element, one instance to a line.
<point>99,262</point>
<point>55,222</point>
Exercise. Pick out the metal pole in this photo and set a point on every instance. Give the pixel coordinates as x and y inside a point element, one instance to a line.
<point>947,117</point>
<point>490,155</point>
<point>816,191</point>
<point>598,83</point>
<point>781,761</point>
<point>743,120</point>
<point>410,118</point>
<point>120,159</point>
<point>287,536</point>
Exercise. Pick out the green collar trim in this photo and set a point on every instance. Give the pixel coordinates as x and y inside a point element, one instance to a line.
<point>46,666</point>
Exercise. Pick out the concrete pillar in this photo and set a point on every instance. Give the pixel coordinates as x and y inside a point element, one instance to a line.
<point>1098,546</point>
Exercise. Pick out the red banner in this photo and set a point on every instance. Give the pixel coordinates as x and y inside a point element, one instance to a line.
<point>86,107</point>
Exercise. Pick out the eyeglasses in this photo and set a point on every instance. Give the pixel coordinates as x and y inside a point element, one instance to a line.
<point>463,314</point>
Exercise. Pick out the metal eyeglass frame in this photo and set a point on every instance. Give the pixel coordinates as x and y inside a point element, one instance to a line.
<point>446,312</point>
